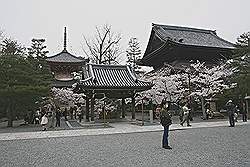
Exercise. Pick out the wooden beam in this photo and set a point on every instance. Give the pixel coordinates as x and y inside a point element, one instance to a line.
<point>123,108</point>
<point>92,108</point>
<point>87,109</point>
<point>133,107</point>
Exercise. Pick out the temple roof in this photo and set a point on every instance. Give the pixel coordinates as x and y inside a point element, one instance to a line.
<point>112,77</point>
<point>191,36</point>
<point>65,57</point>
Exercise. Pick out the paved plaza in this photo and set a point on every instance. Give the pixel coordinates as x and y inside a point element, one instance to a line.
<point>211,144</point>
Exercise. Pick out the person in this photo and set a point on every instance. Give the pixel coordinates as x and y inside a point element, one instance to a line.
<point>65,113</point>
<point>244,112</point>
<point>58,117</point>
<point>36,120</point>
<point>186,113</point>
<point>165,118</point>
<point>236,113</point>
<point>37,115</point>
<point>71,112</point>
<point>44,122</point>
<point>230,110</point>
<point>158,111</point>
<point>181,115</point>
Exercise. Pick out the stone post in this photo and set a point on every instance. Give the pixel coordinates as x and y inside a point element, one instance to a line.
<point>151,116</point>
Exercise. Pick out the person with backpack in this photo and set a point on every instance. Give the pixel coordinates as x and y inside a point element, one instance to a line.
<point>231,111</point>
<point>166,121</point>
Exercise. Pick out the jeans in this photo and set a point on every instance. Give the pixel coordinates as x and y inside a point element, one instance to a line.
<point>186,118</point>
<point>165,136</point>
<point>244,117</point>
<point>231,120</point>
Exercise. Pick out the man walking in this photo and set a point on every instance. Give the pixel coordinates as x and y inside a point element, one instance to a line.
<point>244,113</point>
<point>165,118</point>
<point>231,110</point>
<point>58,117</point>
<point>186,112</point>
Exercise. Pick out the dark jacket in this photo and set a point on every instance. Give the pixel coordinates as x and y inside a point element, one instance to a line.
<point>230,108</point>
<point>165,118</point>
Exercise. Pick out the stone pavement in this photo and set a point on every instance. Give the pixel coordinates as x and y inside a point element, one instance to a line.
<point>116,128</point>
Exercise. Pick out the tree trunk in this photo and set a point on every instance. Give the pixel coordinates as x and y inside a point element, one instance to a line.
<point>9,113</point>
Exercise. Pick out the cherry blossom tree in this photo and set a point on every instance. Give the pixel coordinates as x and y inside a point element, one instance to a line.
<point>197,81</point>
<point>66,96</point>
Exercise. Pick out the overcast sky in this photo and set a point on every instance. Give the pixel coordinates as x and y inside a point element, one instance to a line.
<point>27,19</point>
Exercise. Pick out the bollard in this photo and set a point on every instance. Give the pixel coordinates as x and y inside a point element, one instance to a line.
<point>151,116</point>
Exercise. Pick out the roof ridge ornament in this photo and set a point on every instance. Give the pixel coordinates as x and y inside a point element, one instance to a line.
<point>65,40</point>
<point>131,74</point>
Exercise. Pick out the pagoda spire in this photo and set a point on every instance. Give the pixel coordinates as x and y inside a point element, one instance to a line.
<point>65,40</point>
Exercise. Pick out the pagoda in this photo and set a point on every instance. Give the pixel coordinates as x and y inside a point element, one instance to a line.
<point>63,66</point>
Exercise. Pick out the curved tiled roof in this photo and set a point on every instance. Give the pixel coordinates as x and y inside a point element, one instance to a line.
<point>191,36</point>
<point>65,57</point>
<point>112,77</point>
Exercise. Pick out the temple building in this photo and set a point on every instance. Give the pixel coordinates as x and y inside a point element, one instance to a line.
<point>174,45</point>
<point>63,66</point>
<point>110,81</point>
<point>95,81</point>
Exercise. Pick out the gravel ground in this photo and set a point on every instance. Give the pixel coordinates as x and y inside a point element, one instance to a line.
<point>212,147</point>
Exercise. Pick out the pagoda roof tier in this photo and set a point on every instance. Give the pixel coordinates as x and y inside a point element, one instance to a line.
<point>65,57</point>
<point>112,77</point>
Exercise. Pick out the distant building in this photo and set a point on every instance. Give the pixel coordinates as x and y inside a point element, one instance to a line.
<point>174,45</point>
<point>63,66</point>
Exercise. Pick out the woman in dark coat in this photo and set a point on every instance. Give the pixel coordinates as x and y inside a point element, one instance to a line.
<point>166,121</point>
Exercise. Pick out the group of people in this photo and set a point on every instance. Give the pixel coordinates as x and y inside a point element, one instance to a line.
<point>233,113</point>
<point>49,118</point>
<point>166,121</point>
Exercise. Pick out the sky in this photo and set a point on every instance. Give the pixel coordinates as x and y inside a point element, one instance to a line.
<point>23,20</point>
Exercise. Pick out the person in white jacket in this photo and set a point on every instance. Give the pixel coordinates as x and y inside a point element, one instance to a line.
<point>186,112</point>
<point>44,122</point>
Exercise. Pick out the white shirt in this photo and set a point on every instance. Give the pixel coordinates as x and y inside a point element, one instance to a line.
<point>44,120</point>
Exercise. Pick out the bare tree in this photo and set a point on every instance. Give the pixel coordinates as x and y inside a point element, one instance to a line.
<point>104,48</point>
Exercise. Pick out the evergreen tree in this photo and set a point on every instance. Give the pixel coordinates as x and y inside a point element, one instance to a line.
<point>21,84</point>
<point>241,60</point>
<point>37,49</point>
<point>133,52</point>
<point>242,40</point>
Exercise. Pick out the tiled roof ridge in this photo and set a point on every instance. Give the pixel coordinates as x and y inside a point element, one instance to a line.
<point>108,66</point>
<point>94,76</point>
<point>65,51</point>
<point>183,28</point>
